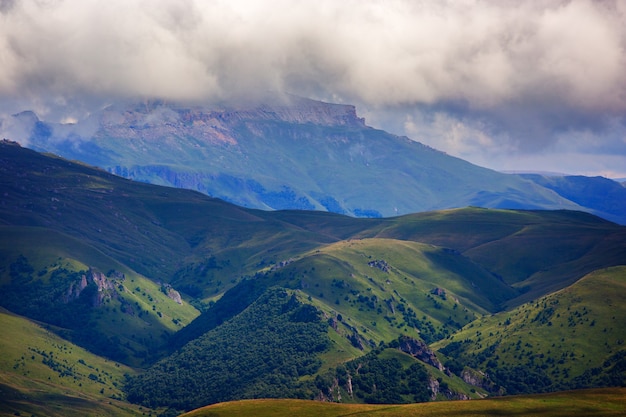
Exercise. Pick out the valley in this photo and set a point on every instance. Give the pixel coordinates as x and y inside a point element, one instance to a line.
<point>128,298</point>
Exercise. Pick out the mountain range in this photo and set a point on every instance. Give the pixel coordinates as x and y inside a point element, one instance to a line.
<point>287,152</point>
<point>190,300</point>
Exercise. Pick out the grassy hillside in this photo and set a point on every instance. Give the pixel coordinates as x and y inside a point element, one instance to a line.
<point>42,374</point>
<point>570,339</point>
<point>204,245</point>
<point>136,272</point>
<point>601,403</point>
<point>388,287</point>
<point>607,197</point>
<point>87,296</point>
<point>535,252</point>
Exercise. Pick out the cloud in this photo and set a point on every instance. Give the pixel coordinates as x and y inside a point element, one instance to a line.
<point>524,71</point>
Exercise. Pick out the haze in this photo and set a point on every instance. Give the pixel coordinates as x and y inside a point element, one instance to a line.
<point>534,85</point>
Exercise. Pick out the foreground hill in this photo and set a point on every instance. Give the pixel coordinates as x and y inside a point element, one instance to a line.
<point>160,278</point>
<point>601,403</point>
<point>283,153</point>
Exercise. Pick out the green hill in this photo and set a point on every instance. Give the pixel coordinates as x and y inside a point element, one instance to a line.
<point>157,278</point>
<point>87,296</point>
<point>43,374</point>
<point>573,338</point>
<point>601,403</point>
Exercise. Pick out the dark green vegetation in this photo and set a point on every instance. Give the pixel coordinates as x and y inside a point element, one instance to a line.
<point>286,153</point>
<point>214,302</point>
<point>573,338</point>
<point>262,352</point>
<point>600,403</point>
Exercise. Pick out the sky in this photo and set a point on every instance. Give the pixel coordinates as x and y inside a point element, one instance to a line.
<point>506,84</point>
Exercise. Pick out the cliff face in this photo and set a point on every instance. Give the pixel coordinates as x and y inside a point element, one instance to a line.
<point>159,120</point>
<point>419,350</point>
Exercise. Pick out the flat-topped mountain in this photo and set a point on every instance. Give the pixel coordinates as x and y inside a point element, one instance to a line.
<point>282,153</point>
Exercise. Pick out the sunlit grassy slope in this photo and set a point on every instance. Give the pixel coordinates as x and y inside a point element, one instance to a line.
<point>205,245</point>
<point>42,374</point>
<point>572,338</point>
<point>389,287</point>
<point>599,402</point>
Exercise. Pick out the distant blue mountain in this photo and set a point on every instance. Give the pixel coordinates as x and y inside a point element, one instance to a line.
<point>599,195</point>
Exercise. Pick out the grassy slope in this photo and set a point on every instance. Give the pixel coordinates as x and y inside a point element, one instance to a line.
<point>536,252</point>
<point>153,313</point>
<point>565,333</point>
<point>341,281</point>
<point>71,381</point>
<point>90,218</point>
<point>176,229</point>
<point>169,227</point>
<point>600,403</point>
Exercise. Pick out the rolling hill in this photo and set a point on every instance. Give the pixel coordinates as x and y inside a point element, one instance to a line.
<point>601,403</point>
<point>159,278</point>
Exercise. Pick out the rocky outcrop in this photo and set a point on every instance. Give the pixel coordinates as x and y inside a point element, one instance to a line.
<point>171,293</point>
<point>106,287</point>
<point>380,264</point>
<point>481,380</point>
<point>420,351</point>
<point>75,289</point>
<point>440,388</point>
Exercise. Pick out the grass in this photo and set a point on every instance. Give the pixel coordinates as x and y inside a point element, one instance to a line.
<point>565,333</point>
<point>42,374</point>
<point>341,280</point>
<point>153,313</point>
<point>596,403</point>
<point>57,211</point>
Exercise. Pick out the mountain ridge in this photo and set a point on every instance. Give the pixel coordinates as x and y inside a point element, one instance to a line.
<point>282,153</point>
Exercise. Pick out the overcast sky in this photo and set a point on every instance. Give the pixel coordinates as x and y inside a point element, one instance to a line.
<point>511,85</point>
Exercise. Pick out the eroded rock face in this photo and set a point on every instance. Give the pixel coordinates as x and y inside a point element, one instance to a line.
<point>481,380</point>
<point>419,350</point>
<point>172,293</point>
<point>105,287</point>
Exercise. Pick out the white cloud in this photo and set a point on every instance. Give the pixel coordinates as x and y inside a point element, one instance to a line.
<point>525,69</point>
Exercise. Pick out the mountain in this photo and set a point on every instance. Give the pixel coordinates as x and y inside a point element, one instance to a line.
<point>605,197</point>
<point>283,153</point>
<point>162,278</point>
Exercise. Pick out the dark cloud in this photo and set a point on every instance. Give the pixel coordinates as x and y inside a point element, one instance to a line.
<point>518,74</point>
